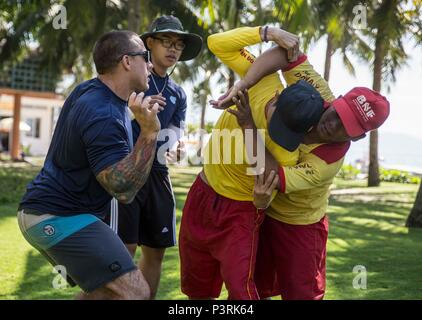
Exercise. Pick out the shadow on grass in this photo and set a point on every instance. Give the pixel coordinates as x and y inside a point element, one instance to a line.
<point>372,234</point>
<point>170,281</point>
<point>37,282</point>
<point>181,185</point>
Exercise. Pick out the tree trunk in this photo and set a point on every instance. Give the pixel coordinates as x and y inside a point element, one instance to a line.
<point>203,111</point>
<point>134,15</point>
<point>328,55</point>
<point>414,220</point>
<point>15,150</point>
<point>233,23</point>
<point>202,124</point>
<point>231,78</point>
<point>373,170</point>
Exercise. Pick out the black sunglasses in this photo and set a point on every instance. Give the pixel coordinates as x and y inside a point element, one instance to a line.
<point>145,54</point>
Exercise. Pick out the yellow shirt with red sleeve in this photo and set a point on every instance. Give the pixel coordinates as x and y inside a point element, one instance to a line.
<point>226,176</point>
<point>305,187</point>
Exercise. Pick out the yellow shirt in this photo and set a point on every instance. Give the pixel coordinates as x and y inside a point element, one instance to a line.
<point>303,70</point>
<point>304,191</point>
<point>304,188</point>
<point>226,175</point>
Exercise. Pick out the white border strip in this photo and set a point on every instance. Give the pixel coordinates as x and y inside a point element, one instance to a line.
<point>114,215</point>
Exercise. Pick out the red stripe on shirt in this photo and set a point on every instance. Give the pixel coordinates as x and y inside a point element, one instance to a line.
<point>282,178</point>
<point>301,59</point>
<point>331,152</point>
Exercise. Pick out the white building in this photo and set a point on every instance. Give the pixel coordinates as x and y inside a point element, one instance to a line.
<point>41,116</point>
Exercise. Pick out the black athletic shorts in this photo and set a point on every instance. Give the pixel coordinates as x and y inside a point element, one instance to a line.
<point>150,219</point>
<point>81,247</point>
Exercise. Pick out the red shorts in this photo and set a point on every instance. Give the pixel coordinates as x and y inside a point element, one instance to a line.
<point>291,260</point>
<point>218,243</point>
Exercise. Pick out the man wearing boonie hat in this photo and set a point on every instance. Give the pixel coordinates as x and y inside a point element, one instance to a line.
<point>150,221</point>
<point>292,246</point>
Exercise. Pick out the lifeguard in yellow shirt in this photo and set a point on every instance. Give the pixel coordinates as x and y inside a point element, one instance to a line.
<point>292,247</point>
<point>220,223</point>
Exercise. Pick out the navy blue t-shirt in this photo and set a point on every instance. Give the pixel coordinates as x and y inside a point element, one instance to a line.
<point>93,132</point>
<point>174,111</point>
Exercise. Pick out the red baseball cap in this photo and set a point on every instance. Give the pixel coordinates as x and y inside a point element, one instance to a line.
<point>361,110</point>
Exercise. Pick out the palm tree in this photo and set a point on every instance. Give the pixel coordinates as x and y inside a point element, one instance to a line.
<point>198,72</point>
<point>300,17</point>
<point>223,15</point>
<point>134,15</point>
<point>17,23</point>
<point>389,22</point>
<point>211,17</point>
<point>201,93</point>
<point>334,21</point>
<point>229,11</point>
<point>66,50</point>
<point>315,19</point>
<point>414,220</point>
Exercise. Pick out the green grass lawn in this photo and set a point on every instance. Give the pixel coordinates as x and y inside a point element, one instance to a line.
<point>366,228</point>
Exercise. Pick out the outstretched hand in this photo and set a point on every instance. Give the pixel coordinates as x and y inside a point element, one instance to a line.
<point>225,100</point>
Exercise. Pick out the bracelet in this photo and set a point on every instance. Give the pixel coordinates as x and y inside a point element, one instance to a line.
<point>265,33</point>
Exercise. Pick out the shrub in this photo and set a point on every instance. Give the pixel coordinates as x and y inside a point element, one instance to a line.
<point>13,183</point>
<point>348,172</point>
<point>392,175</point>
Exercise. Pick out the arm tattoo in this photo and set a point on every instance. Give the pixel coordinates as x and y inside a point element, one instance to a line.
<point>124,179</point>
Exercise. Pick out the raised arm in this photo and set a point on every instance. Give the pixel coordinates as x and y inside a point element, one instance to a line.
<point>276,59</point>
<point>270,61</point>
<point>229,47</point>
<point>124,179</point>
<point>267,63</point>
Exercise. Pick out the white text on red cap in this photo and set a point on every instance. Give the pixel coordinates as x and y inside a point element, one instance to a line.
<point>364,107</point>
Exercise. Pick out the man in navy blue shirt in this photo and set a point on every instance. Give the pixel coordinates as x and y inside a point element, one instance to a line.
<point>150,220</point>
<point>92,158</point>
